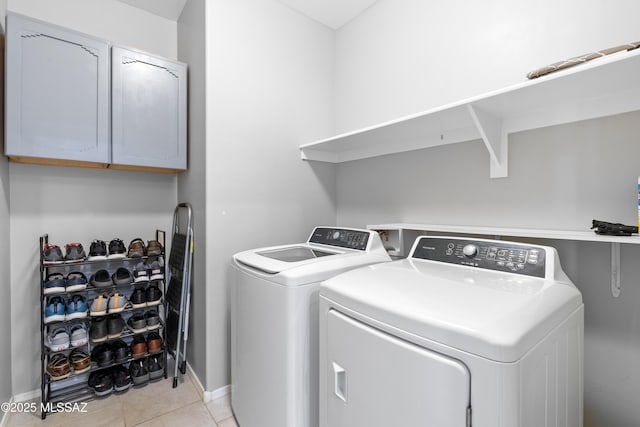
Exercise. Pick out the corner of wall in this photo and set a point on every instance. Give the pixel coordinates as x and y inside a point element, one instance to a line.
<point>6,389</point>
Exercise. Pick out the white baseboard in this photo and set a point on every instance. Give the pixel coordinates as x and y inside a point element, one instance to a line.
<point>23,397</point>
<point>5,415</point>
<point>207,396</point>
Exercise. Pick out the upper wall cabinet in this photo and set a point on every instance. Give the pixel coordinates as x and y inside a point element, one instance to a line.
<point>149,100</point>
<point>57,93</point>
<point>74,100</point>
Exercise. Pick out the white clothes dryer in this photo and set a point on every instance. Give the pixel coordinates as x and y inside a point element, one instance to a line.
<point>464,332</point>
<point>274,323</point>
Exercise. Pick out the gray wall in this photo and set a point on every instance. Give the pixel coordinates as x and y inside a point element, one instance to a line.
<point>269,88</point>
<point>5,250</point>
<point>405,56</point>
<point>191,184</point>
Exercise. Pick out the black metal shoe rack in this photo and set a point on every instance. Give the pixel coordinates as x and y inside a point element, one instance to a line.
<point>75,387</point>
<point>179,289</point>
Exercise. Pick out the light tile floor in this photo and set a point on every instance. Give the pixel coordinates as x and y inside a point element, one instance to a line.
<point>153,405</point>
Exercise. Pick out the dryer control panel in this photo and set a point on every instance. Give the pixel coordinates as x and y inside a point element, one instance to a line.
<point>341,237</point>
<point>486,254</point>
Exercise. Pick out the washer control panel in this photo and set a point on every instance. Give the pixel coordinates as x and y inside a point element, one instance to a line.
<point>341,237</point>
<point>491,255</point>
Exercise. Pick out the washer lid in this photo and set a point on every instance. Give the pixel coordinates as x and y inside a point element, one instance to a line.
<point>496,315</point>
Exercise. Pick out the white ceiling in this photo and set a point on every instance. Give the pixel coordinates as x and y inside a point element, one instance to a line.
<point>332,13</point>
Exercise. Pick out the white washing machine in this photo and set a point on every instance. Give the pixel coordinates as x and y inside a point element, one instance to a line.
<point>274,323</point>
<point>464,332</point>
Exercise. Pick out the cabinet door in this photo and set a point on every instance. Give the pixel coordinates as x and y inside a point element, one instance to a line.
<point>149,102</point>
<point>57,93</point>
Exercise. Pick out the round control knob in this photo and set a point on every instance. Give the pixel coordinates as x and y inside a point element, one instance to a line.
<point>336,234</point>
<point>470,251</point>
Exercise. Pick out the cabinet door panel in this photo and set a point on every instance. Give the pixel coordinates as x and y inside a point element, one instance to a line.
<point>57,93</point>
<point>149,110</point>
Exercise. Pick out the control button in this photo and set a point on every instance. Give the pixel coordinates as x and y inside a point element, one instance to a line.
<point>520,266</point>
<point>502,253</point>
<point>449,252</point>
<point>500,263</point>
<point>450,246</point>
<point>491,256</point>
<point>510,265</point>
<point>470,250</point>
<point>336,234</point>
<point>533,260</point>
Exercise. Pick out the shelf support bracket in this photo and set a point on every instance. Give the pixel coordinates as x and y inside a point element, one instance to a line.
<point>615,269</point>
<point>495,140</point>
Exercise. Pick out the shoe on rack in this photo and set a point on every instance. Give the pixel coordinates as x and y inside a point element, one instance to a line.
<point>154,248</point>
<point>54,310</point>
<point>101,279</point>
<point>97,250</point>
<point>136,248</point>
<point>76,308</point>
<point>153,320</point>
<point>154,342</point>
<point>101,382</point>
<point>122,277</point>
<point>140,274</point>
<point>78,335</point>
<point>74,252</point>
<point>121,378</point>
<point>155,367</point>
<point>99,305</point>
<point>55,283</point>
<point>99,329</point>
<point>138,346</point>
<point>154,294</point>
<point>117,249</point>
<point>80,361</point>
<point>57,339</point>
<point>120,351</point>
<point>52,254</point>
<point>156,270</point>
<point>138,298</point>
<point>115,325</point>
<point>103,354</point>
<point>76,281</point>
<point>58,366</point>
<point>117,303</point>
<point>139,373</point>
<point>137,323</point>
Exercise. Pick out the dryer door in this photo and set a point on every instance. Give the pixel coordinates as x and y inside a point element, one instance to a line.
<point>374,379</point>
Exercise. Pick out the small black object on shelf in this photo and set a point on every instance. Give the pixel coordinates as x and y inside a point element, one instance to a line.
<point>611,229</point>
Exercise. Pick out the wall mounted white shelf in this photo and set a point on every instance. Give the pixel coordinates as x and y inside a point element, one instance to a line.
<point>399,237</point>
<point>599,88</point>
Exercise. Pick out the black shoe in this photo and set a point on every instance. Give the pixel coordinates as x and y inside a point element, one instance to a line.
<point>153,320</point>
<point>137,323</point>
<point>103,355</point>
<point>101,279</point>
<point>97,250</point>
<point>154,295</point>
<point>115,325</point>
<point>120,351</point>
<point>98,332</point>
<point>101,383</point>
<point>122,277</point>
<point>117,249</point>
<point>138,298</point>
<point>139,373</point>
<point>155,367</point>
<point>121,378</point>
